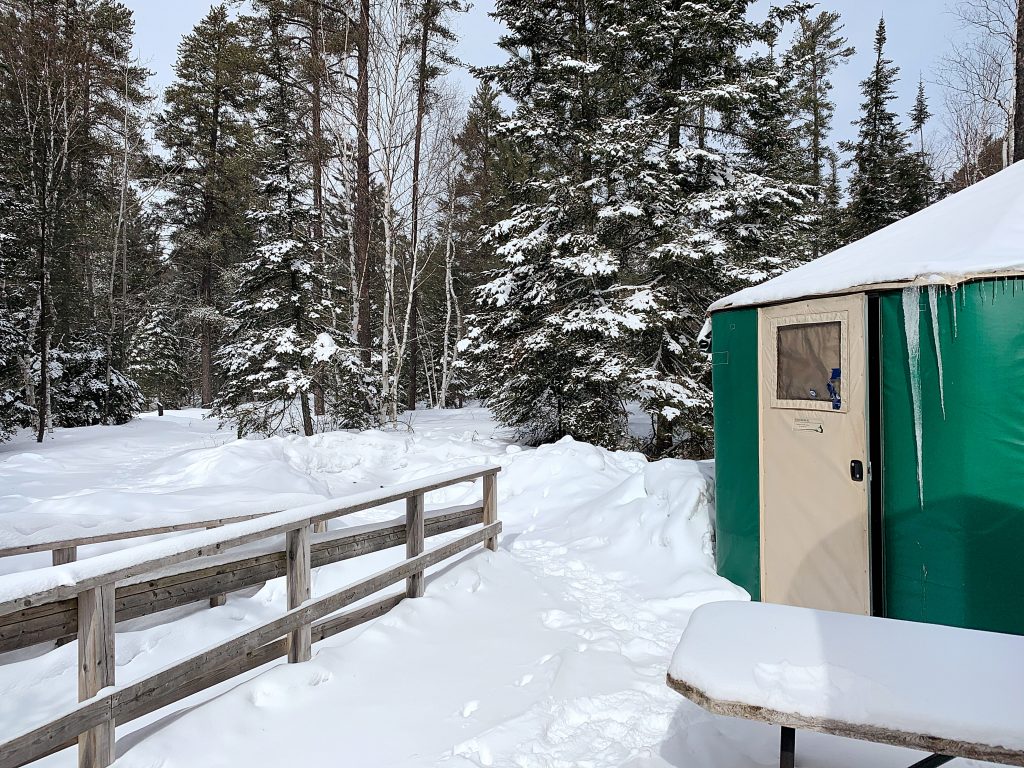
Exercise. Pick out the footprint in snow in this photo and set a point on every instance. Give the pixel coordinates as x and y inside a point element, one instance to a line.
<point>558,619</point>
<point>470,708</point>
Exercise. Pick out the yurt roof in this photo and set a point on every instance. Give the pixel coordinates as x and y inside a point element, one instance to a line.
<point>976,232</point>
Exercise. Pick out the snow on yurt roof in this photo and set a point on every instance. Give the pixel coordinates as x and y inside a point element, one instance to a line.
<point>975,232</point>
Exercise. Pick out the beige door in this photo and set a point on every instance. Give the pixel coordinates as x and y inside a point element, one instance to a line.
<point>813,404</point>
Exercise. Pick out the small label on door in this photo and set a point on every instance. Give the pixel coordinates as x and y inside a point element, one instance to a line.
<point>808,425</point>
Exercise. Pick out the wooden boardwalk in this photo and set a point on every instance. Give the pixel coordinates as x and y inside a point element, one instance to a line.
<point>84,600</point>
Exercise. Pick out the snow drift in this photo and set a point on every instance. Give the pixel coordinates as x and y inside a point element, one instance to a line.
<point>550,652</point>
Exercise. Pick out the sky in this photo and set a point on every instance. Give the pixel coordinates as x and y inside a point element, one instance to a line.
<point>919,32</point>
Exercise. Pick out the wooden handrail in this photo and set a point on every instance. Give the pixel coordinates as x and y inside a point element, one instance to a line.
<point>93,583</point>
<point>22,590</point>
<point>194,581</point>
<point>73,542</point>
<point>65,548</point>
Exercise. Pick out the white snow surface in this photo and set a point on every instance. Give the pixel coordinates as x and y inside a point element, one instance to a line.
<point>549,653</point>
<point>975,232</point>
<point>917,678</point>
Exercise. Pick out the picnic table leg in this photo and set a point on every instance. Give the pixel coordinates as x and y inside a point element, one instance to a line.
<point>933,761</point>
<point>787,748</point>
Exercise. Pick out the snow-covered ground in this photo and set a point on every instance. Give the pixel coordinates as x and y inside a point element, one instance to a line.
<point>549,653</point>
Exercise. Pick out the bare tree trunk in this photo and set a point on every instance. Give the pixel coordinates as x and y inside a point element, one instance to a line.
<point>45,329</point>
<point>1018,102</point>
<point>206,279</point>
<point>116,239</point>
<point>319,71</point>
<point>362,233</point>
<point>206,334</point>
<point>414,351</point>
<point>449,350</point>
<point>421,109</point>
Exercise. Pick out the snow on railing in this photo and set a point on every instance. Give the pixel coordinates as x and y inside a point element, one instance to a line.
<point>92,584</point>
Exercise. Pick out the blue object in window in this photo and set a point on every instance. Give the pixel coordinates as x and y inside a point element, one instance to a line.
<point>833,389</point>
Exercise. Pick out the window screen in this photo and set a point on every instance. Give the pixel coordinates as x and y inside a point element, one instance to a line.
<point>809,362</point>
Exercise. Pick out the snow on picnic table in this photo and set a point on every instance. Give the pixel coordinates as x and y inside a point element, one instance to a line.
<point>957,684</point>
<point>549,653</point>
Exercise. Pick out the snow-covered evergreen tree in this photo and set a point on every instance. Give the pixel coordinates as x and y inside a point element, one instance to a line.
<point>87,391</point>
<point>877,187</point>
<point>281,318</point>
<point>14,411</point>
<point>17,407</point>
<point>207,131</point>
<point>155,360</point>
<point>776,231</point>
<point>553,366</point>
<point>490,172</point>
<point>920,186</point>
<point>818,49</point>
<point>653,193</point>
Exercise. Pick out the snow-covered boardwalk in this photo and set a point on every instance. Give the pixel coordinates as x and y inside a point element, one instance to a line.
<point>550,652</point>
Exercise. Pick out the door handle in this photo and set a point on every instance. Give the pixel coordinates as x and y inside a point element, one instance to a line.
<point>857,471</point>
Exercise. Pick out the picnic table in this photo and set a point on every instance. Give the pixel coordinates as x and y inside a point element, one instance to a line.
<point>951,692</point>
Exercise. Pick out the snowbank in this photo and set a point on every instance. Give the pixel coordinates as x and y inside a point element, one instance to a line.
<point>164,470</point>
<point>549,653</point>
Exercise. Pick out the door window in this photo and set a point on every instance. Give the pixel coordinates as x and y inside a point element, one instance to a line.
<point>809,363</point>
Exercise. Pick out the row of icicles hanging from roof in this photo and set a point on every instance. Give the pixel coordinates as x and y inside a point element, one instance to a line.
<point>912,311</point>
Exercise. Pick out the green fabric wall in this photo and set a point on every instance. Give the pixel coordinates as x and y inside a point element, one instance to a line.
<point>960,560</point>
<point>737,494</point>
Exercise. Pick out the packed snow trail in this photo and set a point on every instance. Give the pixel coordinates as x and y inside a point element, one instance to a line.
<point>549,653</point>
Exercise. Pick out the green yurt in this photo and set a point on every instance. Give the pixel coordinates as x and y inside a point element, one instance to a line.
<point>869,421</point>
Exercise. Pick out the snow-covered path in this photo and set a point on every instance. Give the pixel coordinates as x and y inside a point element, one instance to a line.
<point>549,653</point>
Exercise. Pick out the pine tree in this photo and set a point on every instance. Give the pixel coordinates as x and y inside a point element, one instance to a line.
<point>156,360</point>
<point>490,180</point>
<point>17,311</point>
<point>553,368</point>
<point>817,51</point>
<point>655,193</point>
<point>207,131</point>
<point>280,317</point>
<point>86,390</point>
<point>14,412</point>
<point>877,188</point>
<point>781,232</point>
<point>920,187</point>
<point>72,149</point>
<point>721,192</point>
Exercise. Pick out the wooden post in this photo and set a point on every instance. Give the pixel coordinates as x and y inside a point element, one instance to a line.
<point>96,669</point>
<point>491,507</point>
<point>414,541</point>
<point>217,600</point>
<point>65,555</point>
<point>320,527</point>
<point>299,579</point>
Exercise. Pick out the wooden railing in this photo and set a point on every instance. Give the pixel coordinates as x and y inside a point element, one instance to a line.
<point>92,585</point>
<point>65,549</point>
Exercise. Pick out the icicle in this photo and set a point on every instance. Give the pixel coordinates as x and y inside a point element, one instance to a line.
<point>933,310</point>
<point>912,326</point>
<point>955,330</point>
